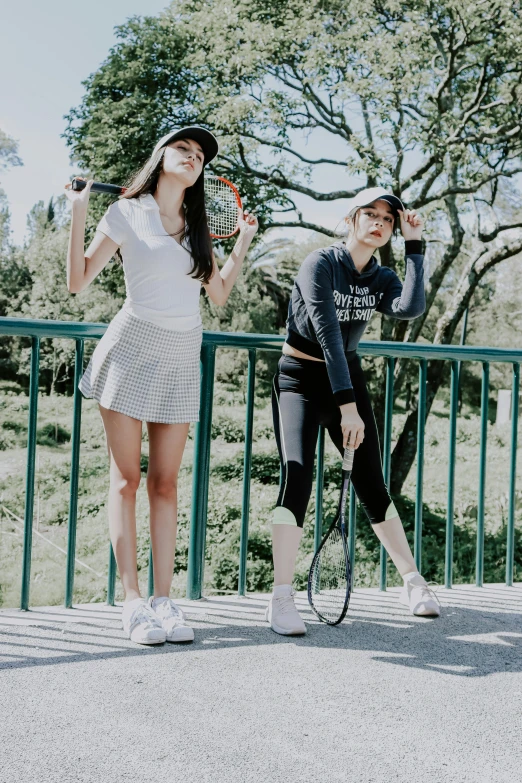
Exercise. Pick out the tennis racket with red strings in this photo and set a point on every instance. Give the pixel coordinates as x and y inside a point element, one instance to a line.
<point>222,202</point>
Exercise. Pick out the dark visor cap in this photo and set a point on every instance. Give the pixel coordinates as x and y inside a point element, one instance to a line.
<point>369,195</point>
<point>206,140</point>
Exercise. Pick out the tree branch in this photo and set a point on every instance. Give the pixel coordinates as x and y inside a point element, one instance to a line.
<point>465,189</point>
<point>302,224</point>
<point>277,178</point>
<point>419,172</point>
<point>284,148</point>
<point>474,270</point>
<point>426,187</point>
<point>488,236</point>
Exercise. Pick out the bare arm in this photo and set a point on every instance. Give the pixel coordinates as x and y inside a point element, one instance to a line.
<point>222,281</point>
<point>83,266</point>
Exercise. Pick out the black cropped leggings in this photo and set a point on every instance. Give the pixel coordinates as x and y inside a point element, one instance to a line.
<point>302,399</point>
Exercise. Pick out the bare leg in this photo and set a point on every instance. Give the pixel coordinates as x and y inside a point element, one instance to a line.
<point>123,435</point>
<point>285,543</point>
<point>393,538</point>
<point>166,445</point>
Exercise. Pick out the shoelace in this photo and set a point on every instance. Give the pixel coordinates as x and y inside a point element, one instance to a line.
<point>428,592</point>
<point>144,615</point>
<point>168,609</point>
<point>286,604</point>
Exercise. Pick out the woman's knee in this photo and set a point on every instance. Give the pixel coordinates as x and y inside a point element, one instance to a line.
<point>162,485</point>
<point>380,509</point>
<point>126,484</point>
<point>294,495</point>
<point>283,516</point>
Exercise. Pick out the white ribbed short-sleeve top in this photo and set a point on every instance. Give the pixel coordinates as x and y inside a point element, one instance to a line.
<point>157,269</point>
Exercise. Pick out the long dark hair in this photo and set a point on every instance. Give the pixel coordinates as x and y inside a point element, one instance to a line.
<point>196,227</point>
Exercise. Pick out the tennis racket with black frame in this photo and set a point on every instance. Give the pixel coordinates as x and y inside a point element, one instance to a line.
<point>222,202</point>
<point>330,576</point>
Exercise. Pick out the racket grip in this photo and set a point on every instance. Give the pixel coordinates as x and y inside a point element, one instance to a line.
<point>348,458</point>
<point>97,187</point>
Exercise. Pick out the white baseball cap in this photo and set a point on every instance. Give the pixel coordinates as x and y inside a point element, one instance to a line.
<point>204,138</point>
<point>369,195</point>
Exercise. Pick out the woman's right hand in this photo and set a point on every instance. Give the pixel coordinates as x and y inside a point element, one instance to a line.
<point>79,198</point>
<point>352,426</point>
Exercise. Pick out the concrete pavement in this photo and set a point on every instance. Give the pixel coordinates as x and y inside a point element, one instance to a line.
<point>384,697</point>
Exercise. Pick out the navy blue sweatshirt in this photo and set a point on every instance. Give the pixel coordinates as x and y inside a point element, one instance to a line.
<point>332,303</point>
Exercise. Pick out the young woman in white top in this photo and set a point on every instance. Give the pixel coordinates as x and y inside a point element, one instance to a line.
<point>146,366</point>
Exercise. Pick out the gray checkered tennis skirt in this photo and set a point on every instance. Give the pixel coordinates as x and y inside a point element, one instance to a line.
<point>145,371</point>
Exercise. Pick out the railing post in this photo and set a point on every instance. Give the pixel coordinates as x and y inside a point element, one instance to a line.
<point>39,329</point>
<point>150,579</point>
<point>421,430</point>
<point>247,467</point>
<point>479,568</point>
<point>510,544</point>
<point>75,463</point>
<point>111,577</point>
<point>200,478</point>
<point>319,487</point>
<point>454,401</point>
<point>386,462</point>
<point>29,475</point>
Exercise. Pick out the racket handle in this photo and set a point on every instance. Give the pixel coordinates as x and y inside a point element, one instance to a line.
<point>348,458</point>
<point>97,187</point>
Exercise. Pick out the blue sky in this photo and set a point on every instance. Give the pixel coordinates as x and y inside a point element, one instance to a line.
<point>41,80</point>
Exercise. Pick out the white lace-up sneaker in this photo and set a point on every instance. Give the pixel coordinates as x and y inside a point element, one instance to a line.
<point>419,597</point>
<point>172,620</point>
<point>141,624</point>
<point>282,614</point>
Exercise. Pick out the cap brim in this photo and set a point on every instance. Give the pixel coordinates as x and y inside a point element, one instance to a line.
<point>204,138</point>
<point>393,201</point>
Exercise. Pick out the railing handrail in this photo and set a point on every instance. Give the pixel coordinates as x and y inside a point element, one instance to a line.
<point>38,329</point>
<point>42,328</point>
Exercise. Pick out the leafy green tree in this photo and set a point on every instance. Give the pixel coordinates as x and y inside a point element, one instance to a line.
<point>15,279</point>
<point>49,298</point>
<point>422,97</point>
<point>15,286</point>
<point>41,217</point>
<point>8,151</point>
<point>8,157</point>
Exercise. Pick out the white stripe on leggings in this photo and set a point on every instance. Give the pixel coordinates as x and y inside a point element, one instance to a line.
<point>281,431</point>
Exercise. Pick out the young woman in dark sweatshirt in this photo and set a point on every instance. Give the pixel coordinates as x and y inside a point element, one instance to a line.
<point>320,381</point>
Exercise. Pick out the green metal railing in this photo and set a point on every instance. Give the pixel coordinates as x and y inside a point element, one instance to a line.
<point>38,330</point>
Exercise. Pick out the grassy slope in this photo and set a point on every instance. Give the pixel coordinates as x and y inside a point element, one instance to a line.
<point>52,501</point>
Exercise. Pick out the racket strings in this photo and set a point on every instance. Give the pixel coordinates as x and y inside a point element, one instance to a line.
<point>221,207</point>
<point>328,579</point>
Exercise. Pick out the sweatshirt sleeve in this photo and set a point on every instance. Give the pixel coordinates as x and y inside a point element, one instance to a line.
<point>406,301</point>
<point>114,223</point>
<point>316,285</point>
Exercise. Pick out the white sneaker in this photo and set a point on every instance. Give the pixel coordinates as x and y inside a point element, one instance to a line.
<point>141,624</point>
<point>420,598</point>
<point>172,620</point>
<point>282,614</point>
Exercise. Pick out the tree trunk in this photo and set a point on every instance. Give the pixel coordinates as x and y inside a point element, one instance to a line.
<point>482,260</point>
<point>405,449</point>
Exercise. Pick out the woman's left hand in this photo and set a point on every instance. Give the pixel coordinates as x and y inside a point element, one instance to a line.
<point>247,223</point>
<point>411,224</point>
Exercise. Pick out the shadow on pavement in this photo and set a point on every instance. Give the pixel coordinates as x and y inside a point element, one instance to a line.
<point>479,633</point>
